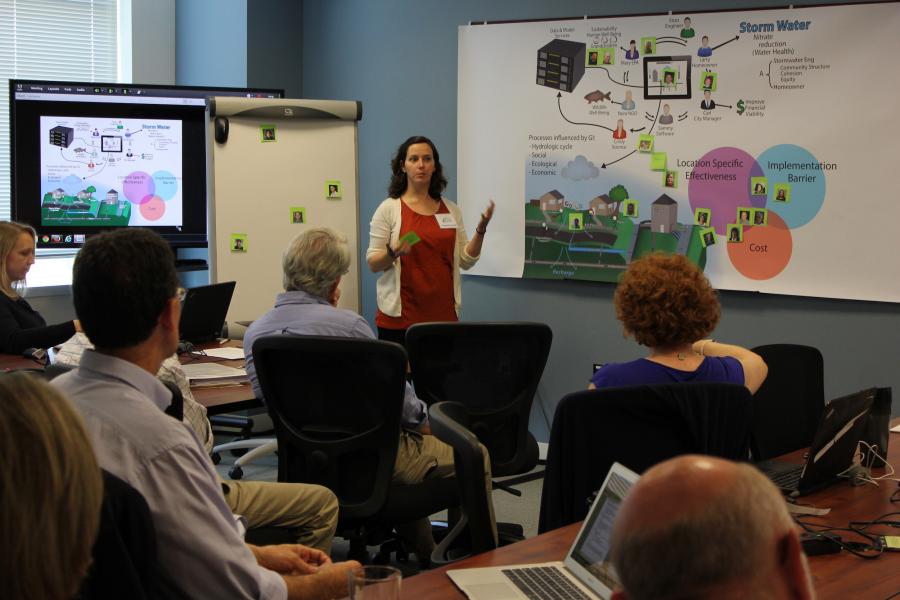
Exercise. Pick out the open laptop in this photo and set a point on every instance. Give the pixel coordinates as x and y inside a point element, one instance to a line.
<point>833,446</point>
<point>586,571</point>
<point>203,312</point>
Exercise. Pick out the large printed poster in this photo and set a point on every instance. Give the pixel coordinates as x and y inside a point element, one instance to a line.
<point>759,144</point>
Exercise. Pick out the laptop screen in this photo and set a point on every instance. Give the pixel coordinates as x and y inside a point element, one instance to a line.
<point>590,552</point>
<point>203,311</point>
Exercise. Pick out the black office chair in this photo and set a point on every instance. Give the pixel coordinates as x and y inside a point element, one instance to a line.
<point>449,423</point>
<point>637,426</point>
<point>124,556</point>
<point>336,405</point>
<point>493,369</point>
<point>788,405</point>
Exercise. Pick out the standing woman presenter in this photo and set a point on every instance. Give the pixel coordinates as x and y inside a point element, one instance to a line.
<point>418,242</point>
<point>21,326</point>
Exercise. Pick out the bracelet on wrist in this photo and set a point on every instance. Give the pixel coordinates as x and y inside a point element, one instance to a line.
<point>481,231</point>
<point>391,252</point>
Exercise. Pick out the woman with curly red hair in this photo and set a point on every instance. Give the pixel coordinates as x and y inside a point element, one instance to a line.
<point>666,303</point>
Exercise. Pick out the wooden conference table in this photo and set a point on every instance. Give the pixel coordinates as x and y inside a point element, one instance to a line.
<point>839,575</point>
<point>222,399</point>
<point>217,400</point>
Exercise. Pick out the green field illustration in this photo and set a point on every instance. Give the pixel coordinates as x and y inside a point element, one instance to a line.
<point>57,208</point>
<point>597,242</point>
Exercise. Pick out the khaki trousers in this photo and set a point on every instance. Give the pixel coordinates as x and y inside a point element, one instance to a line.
<point>421,457</point>
<point>309,511</point>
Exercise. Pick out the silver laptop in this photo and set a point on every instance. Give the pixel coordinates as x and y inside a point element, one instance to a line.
<point>586,571</point>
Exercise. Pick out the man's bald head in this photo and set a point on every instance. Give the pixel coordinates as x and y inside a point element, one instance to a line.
<point>694,525</point>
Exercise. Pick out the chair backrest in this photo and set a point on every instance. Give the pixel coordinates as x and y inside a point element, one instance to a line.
<point>637,426</point>
<point>788,405</point>
<point>493,369</point>
<point>335,404</point>
<point>125,552</point>
<point>54,370</point>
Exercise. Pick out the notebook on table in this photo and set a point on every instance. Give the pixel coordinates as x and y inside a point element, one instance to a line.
<point>833,446</point>
<point>203,312</point>
<point>586,571</point>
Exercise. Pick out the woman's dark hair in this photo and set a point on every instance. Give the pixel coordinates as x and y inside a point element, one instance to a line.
<point>398,177</point>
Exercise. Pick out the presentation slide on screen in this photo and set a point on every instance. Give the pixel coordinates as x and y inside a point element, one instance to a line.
<point>756,143</point>
<point>104,171</point>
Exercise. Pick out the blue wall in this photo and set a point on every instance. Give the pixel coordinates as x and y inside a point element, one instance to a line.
<point>211,42</point>
<point>400,58</point>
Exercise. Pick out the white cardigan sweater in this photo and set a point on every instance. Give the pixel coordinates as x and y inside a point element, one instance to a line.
<point>384,228</point>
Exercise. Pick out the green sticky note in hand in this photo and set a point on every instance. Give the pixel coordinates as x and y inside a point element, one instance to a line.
<point>412,238</point>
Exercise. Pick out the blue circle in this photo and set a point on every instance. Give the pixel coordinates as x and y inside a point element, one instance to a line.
<point>805,197</point>
<point>166,184</point>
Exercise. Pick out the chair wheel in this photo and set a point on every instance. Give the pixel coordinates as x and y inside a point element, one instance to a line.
<point>216,458</point>
<point>235,472</point>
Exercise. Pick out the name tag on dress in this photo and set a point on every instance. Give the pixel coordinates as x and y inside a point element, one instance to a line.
<point>445,221</point>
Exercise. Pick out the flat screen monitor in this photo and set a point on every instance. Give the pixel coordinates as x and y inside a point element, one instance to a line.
<point>89,157</point>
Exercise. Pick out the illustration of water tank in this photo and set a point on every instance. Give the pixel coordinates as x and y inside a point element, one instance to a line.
<point>663,214</point>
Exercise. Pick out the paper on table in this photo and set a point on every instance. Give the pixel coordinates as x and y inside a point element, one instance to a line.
<point>802,509</point>
<point>211,371</point>
<point>226,353</point>
<point>896,428</point>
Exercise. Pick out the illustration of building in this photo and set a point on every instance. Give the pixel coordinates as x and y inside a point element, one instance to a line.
<point>603,206</point>
<point>83,195</point>
<point>663,215</point>
<point>62,136</point>
<point>112,197</point>
<point>58,193</point>
<point>552,200</point>
<point>560,64</point>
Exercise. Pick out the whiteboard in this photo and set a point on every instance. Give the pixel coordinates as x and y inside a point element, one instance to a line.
<point>805,100</point>
<point>257,182</point>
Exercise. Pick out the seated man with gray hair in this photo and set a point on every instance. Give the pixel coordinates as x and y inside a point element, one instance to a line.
<point>704,527</point>
<point>313,265</point>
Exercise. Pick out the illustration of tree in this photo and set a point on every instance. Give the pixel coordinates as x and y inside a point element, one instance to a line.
<point>618,194</point>
<point>90,190</point>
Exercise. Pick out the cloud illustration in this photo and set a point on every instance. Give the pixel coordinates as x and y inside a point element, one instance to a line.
<point>579,169</point>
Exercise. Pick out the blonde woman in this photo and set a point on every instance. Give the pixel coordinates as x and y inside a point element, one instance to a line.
<point>50,492</point>
<point>21,326</point>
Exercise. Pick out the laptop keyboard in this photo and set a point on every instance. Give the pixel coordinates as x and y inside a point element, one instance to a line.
<point>544,583</point>
<point>787,480</point>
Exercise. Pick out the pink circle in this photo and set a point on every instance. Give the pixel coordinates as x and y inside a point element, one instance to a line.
<point>138,187</point>
<point>765,250</point>
<point>721,183</point>
<point>153,208</point>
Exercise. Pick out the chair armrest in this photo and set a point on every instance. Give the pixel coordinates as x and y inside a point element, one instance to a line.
<point>448,420</point>
<point>449,423</point>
